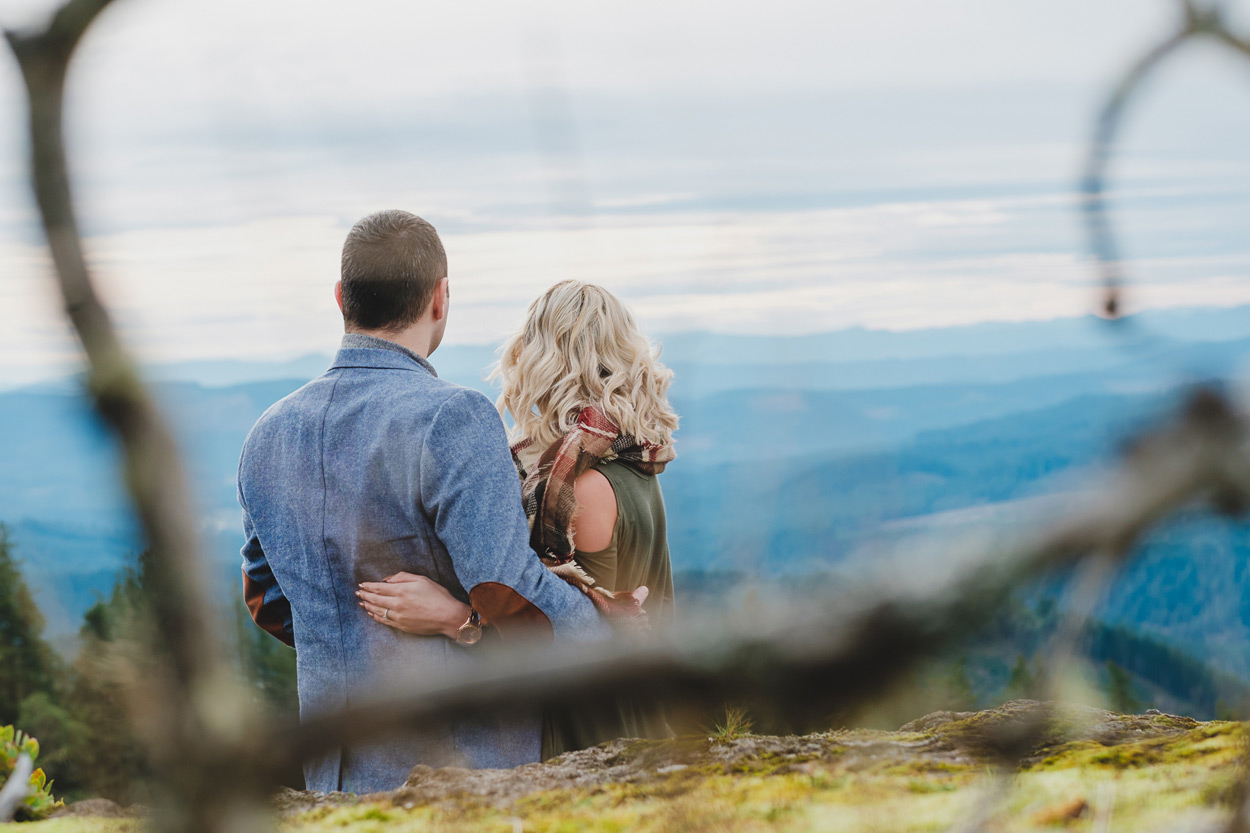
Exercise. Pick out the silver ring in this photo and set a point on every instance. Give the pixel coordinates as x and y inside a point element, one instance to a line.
<point>386,612</point>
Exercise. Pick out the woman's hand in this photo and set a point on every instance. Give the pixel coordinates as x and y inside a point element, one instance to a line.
<point>413,604</point>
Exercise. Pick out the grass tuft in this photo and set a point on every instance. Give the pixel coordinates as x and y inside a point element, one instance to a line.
<point>737,724</point>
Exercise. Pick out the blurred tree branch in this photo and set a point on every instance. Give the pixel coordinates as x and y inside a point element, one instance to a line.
<point>192,718</point>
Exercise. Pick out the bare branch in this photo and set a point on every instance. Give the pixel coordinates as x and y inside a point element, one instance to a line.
<point>152,470</point>
<point>189,737</point>
<point>1238,44</point>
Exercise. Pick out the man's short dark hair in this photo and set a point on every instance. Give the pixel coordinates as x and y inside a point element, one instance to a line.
<point>392,260</point>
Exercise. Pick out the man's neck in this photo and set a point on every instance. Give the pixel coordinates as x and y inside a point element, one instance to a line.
<point>415,339</point>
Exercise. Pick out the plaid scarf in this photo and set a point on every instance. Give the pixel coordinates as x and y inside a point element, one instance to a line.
<point>547,492</point>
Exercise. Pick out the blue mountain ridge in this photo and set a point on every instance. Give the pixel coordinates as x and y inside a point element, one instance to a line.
<point>851,358</point>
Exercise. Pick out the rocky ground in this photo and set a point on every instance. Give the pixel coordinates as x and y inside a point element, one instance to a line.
<point>1077,767</point>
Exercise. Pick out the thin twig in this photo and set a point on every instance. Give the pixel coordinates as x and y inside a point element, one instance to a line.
<point>1093,182</point>
<point>1200,20</point>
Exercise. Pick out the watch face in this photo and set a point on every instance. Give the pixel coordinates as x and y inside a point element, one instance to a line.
<point>469,635</point>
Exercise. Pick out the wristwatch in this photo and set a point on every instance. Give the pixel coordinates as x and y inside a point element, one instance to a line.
<point>471,631</point>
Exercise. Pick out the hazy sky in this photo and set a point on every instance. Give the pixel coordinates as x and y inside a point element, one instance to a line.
<point>769,168</point>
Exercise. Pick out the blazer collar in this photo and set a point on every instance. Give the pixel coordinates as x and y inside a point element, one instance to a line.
<point>360,350</point>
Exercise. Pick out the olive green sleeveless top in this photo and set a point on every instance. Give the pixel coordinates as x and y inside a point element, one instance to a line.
<point>638,552</point>
<point>637,555</point>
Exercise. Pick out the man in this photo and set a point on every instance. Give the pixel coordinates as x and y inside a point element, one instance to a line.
<point>379,467</point>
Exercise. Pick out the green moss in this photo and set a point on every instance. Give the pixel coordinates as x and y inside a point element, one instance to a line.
<point>1067,755</point>
<point>1212,745</point>
<point>920,785</point>
<point>1178,782</point>
<point>799,802</point>
<point>925,766</point>
<point>1157,780</point>
<point>81,825</point>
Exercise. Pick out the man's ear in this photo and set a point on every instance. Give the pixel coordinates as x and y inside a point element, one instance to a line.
<point>338,294</point>
<point>441,300</point>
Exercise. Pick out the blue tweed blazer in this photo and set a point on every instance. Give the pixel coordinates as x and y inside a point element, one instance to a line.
<point>374,467</point>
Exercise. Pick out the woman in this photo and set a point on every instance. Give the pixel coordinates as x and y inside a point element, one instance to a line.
<point>592,429</point>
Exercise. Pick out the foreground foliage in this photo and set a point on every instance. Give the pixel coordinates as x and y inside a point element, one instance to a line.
<point>39,802</point>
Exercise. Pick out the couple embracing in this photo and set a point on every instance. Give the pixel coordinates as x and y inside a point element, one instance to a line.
<point>388,534</point>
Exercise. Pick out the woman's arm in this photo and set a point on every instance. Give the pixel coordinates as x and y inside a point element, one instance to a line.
<point>594,523</point>
<point>413,604</point>
<point>595,518</point>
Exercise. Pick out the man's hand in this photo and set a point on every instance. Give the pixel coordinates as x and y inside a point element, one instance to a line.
<point>413,604</point>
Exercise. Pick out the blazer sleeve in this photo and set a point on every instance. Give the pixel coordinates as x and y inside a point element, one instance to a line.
<point>261,593</point>
<point>470,491</point>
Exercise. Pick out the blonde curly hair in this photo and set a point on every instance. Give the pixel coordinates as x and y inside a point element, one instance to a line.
<point>580,347</point>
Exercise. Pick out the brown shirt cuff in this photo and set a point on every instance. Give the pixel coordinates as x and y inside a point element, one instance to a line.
<point>271,618</point>
<point>510,613</point>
